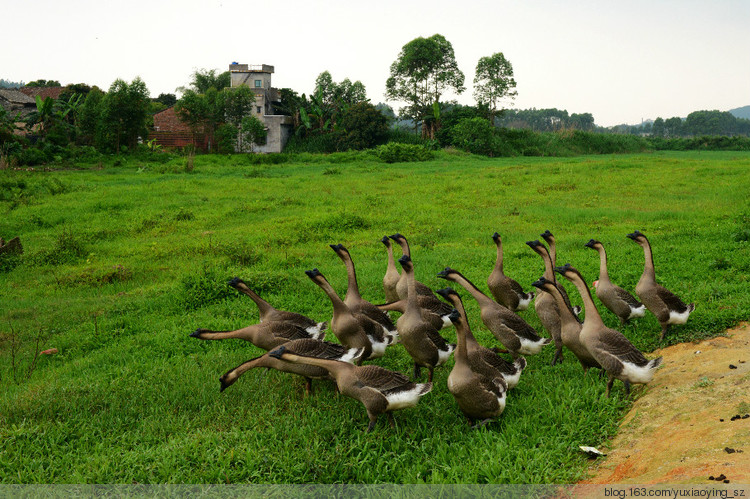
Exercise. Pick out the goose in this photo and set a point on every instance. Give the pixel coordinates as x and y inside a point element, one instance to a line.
<point>483,360</point>
<point>268,313</point>
<point>421,340</point>
<point>516,335</point>
<point>549,238</point>
<point>392,276</point>
<point>505,290</point>
<point>378,389</point>
<point>624,305</point>
<point>665,305</point>
<point>570,326</point>
<point>480,397</point>
<point>354,330</point>
<point>545,304</point>
<point>611,349</point>
<point>266,335</point>
<point>433,310</point>
<point>308,347</point>
<point>401,286</point>
<point>354,300</point>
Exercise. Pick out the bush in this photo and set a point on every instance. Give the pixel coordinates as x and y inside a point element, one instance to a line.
<point>477,136</point>
<point>32,156</point>
<point>364,127</point>
<point>402,153</point>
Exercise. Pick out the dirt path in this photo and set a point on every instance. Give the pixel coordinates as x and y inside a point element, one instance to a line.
<point>674,433</point>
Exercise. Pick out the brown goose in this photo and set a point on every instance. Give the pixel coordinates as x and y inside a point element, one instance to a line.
<point>266,335</point>
<point>378,389</point>
<point>508,327</point>
<point>392,276</point>
<point>505,290</point>
<point>401,286</point>
<point>353,330</point>
<point>611,349</point>
<point>484,361</point>
<point>268,313</point>
<point>665,305</point>
<point>620,302</point>
<point>308,347</point>
<point>545,304</point>
<point>570,326</point>
<point>421,340</point>
<point>549,238</point>
<point>479,397</point>
<point>354,300</point>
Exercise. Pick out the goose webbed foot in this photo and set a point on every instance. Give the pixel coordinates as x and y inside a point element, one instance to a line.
<point>627,388</point>
<point>481,424</point>
<point>609,386</point>
<point>373,420</point>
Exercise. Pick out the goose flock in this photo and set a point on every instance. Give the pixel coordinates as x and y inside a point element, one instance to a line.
<point>480,377</point>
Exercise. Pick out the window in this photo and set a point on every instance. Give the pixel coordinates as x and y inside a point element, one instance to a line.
<point>260,110</point>
<point>258,83</point>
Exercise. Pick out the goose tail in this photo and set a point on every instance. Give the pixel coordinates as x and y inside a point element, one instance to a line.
<point>424,388</point>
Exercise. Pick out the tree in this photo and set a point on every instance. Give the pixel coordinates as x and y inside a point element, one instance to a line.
<point>583,121</point>
<point>252,131</point>
<point>424,70</point>
<point>44,83</point>
<point>89,117</point>
<point>494,82</point>
<point>125,113</point>
<point>167,99</point>
<point>363,127</point>
<point>203,79</point>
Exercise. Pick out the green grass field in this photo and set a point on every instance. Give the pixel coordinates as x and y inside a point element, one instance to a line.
<point>122,263</point>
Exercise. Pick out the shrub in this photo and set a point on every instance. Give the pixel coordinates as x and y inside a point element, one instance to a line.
<point>402,153</point>
<point>475,135</point>
<point>364,127</point>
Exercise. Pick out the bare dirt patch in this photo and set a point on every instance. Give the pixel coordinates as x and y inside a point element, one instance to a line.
<point>686,428</point>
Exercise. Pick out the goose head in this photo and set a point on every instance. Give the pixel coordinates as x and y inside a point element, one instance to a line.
<point>386,241</point>
<point>443,274</point>
<point>447,293</point>
<point>541,283</point>
<point>547,236</point>
<point>276,354</point>
<point>454,316</point>
<point>538,247</point>
<point>496,238</point>
<point>568,271</point>
<point>315,275</point>
<point>592,244</point>
<point>406,262</point>
<point>638,237</point>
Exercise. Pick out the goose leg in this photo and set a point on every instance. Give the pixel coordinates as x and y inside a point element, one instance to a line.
<point>308,386</point>
<point>391,420</point>
<point>429,377</point>
<point>663,331</point>
<point>609,385</point>
<point>558,355</point>
<point>627,388</point>
<point>417,371</point>
<point>373,420</point>
<point>481,424</point>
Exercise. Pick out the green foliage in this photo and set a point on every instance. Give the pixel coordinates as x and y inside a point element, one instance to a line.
<point>204,287</point>
<point>425,69</point>
<point>204,79</point>
<point>475,135</point>
<point>226,138</point>
<point>363,127</point>
<point>493,82</point>
<point>402,153</point>
<point>43,83</point>
<point>124,114</point>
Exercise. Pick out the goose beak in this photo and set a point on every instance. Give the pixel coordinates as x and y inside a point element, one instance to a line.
<point>404,260</point>
<point>633,235</point>
<point>445,292</point>
<point>444,273</point>
<point>196,334</point>
<point>590,244</point>
<point>539,283</point>
<point>312,273</point>
<point>278,352</point>
<point>385,241</point>
<point>235,282</point>
<point>534,244</point>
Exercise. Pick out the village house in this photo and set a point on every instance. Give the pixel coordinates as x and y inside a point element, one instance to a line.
<point>169,131</point>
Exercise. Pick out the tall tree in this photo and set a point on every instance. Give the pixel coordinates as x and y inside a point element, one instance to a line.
<point>494,82</point>
<point>125,113</point>
<point>425,69</point>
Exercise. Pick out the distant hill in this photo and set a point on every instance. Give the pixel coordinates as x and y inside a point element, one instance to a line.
<point>741,112</point>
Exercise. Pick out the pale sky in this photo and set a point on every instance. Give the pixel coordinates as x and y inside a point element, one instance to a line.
<point>622,61</point>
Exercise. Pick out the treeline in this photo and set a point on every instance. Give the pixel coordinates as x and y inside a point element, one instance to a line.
<point>697,123</point>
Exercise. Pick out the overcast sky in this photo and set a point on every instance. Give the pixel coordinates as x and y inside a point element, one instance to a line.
<point>622,61</point>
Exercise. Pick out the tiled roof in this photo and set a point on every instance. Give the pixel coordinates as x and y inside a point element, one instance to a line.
<point>43,92</point>
<point>15,96</point>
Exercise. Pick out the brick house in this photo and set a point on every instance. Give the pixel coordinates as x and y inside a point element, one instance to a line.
<point>170,131</point>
